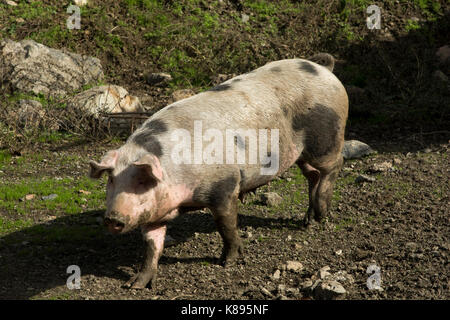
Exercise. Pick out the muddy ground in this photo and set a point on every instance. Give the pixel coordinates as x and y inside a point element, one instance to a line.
<point>398,222</point>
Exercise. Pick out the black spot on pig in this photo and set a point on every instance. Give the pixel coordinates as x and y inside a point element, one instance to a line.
<point>147,139</point>
<point>149,142</point>
<point>156,126</point>
<point>275,69</point>
<point>321,126</point>
<point>221,87</point>
<point>308,67</point>
<point>217,194</point>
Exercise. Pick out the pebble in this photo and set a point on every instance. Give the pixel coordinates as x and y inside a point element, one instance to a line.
<point>52,196</point>
<point>294,266</point>
<point>364,178</point>
<point>338,253</point>
<point>323,272</point>
<point>276,275</point>
<point>329,290</point>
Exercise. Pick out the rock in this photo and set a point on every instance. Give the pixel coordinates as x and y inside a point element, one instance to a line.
<point>11,3</point>
<point>107,99</point>
<point>30,113</point>
<point>245,18</point>
<point>329,290</point>
<point>276,275</point>
<point>32,67</point>
<point>181,94</point>
<point>294,266</point>
<point>342,276</point>
<point>443,54</point>
<point>382,167</point>
<point>28,197</point>
<point>271,199</point>
<point>354,149</point>
<point>339,252</point>
<point>81,2</point>
<point>159,79</point>
<point>265,292</point>
<point>364,178</point>
<point>323,272</point>
<point>50,197</point>
<point>397,161</point>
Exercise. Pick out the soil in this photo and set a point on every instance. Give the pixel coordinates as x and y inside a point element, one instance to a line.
<point>398,222</point>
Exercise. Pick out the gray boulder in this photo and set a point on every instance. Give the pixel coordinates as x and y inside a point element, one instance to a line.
<point>35,68</point>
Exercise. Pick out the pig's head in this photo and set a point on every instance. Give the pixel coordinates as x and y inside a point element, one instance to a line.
<point>131,192</point>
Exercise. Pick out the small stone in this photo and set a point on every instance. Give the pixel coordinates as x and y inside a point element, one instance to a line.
<point>382,167</point>
<point>81,2</point>
<point>338,253</point>
<point>354,149</point>
<point>52,196</point>
<point>397,161</point>
<point>323,272</point>
<point>84,192</point>
<point>11,3</point>
<point>289,238</point>
<point>298,246</point>
<point>265,292</point>
<point>427,150</point>
<point>364,178</point>
<point>29,197</point>
<point>158,79</point>
<point>271,199</point>
<point>245,18</point>
<point>248,234</point>
<point>443,54</point>
<point>20,20</point>
<point>276,275</point>
<point>294,266</point>
<point>329,290</point>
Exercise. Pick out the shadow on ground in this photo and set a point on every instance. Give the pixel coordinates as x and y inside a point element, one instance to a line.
<point>35,259</point>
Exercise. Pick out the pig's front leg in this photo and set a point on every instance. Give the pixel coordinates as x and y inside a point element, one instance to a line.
<point>154,237</point>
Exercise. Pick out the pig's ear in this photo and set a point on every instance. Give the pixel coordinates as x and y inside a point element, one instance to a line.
<point>107,164</point>
<point>151,165</point>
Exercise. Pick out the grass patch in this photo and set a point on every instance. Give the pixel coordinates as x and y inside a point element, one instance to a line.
<point>68,200</point>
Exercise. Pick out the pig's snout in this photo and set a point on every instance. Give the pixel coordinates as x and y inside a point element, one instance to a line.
<point>115,222</point>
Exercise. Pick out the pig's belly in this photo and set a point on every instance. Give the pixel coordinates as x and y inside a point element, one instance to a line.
<point>252,178</point>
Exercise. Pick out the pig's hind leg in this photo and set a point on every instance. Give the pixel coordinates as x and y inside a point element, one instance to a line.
<point>154,237</point>
<point>226,222</point>
<point>328,175</point>
<point>313,177</point>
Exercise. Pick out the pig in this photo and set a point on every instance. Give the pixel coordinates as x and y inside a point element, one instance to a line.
<point>300,102</point>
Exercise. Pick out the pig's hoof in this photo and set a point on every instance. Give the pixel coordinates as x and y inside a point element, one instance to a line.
<point>139,282</point>
<point>229,256</point>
